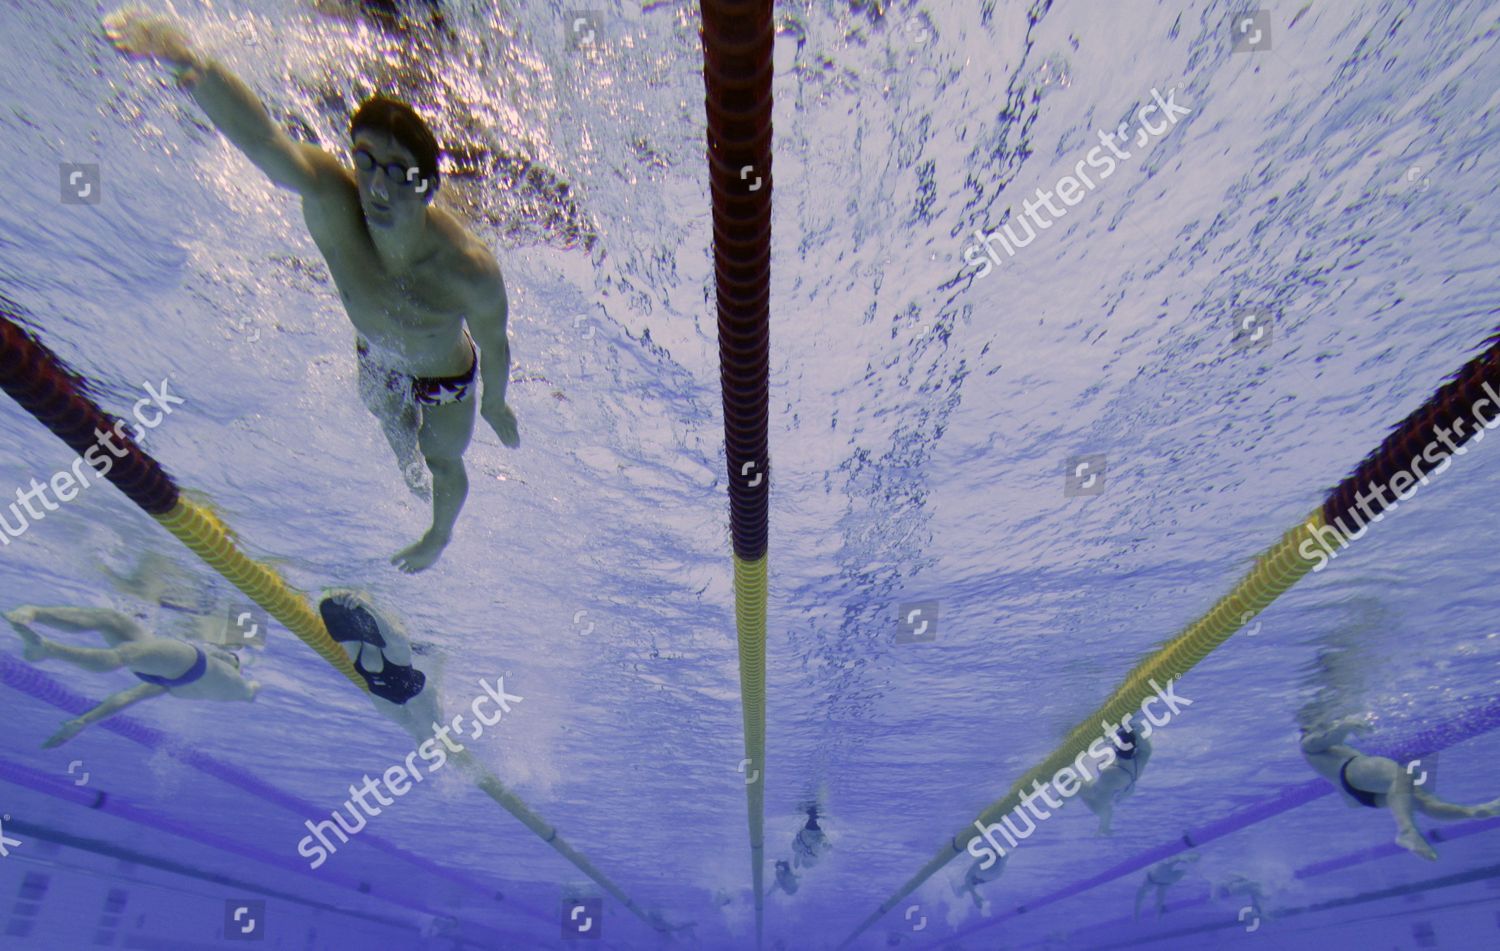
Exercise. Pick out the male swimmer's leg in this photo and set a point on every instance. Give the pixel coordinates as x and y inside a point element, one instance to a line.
<point>445,434</point>
<point>96,659</point>
<point>117,628</point>
<point>114,627</point>
<point>1100,803</point>
<point>1430,805</point>
<point>1106,814</point>
<point>399,419</point>
<point>1380,775</point>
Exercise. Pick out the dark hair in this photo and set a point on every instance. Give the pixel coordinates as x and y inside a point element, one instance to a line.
<point>401,122</point>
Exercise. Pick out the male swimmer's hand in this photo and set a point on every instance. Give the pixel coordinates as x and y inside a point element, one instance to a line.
<point>503,422</point>
<point>141,34</point>
<point>69,730</point>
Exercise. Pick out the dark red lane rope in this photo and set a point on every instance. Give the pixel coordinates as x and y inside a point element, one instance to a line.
<point>1451,406</point>
<point>737,67</point>
<point>37,379</point>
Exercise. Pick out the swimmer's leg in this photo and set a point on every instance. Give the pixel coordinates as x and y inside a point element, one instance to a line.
<point>1430,805</point>
<point>95,659</point>
<point>36,646</point>
<point>1101,802</point>
<point>445,434</point>
<point>1140,896</point>
<point>399,420</point>
<point>114,627</point>
<point>1380,775</point>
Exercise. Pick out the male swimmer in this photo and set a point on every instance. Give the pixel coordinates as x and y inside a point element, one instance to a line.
<point>1378,782</point>
<point>1117,780</point>
<point>420,290</point>
<point>163,665</point>
<point>1162,876</point>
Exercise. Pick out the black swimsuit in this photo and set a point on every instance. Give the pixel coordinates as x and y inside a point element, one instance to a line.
<point>428,391</point>
<point>1361,796</point>
<point>397,683</point>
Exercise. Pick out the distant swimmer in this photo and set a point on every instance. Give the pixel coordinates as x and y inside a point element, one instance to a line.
<point>1162,876</point>
<point>425,296</point>
<point>811,842</point>
<point>163,665</point>
<point>1117,780</point>
<point>1238,886</point>
<point>1378,783</point>
<point>979,875</point>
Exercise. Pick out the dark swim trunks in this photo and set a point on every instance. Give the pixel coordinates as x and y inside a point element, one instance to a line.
<point>428,390</point>
<point>200,666</point>
<point>1361,796</point>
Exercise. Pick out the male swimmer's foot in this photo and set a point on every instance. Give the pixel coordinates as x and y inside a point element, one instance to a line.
<point>421,556</point>
<point>20,619</point>
<point>1413,842</point>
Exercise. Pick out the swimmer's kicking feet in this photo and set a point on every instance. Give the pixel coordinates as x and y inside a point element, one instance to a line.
<point>163,665</point>
<point>1379,782</point>
<point>786,879</point>
<point>410,276</point>
<point>979,875</point>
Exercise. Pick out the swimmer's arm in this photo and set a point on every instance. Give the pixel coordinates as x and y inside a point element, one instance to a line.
<point>488,312</point>
<point>237,113</point>
<point>108,708</point>
<point>229,103</point>
<point>1323,740</point>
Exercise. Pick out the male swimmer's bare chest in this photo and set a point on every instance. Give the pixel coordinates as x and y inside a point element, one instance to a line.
<point>415,318</point>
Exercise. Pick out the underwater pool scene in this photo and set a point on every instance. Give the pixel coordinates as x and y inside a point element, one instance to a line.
<point>840,474</point>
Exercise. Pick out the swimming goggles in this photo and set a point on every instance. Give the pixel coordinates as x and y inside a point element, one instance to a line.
<point>410,177</point>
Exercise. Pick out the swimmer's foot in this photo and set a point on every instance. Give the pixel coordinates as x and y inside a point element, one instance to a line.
<point>20,619</point>
<point>421,556</point>
<point>1413,842</point>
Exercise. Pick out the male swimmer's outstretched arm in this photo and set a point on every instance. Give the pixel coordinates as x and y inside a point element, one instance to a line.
<point>228,102</point>
<point>1321,741</point>
<point>109,707</point>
